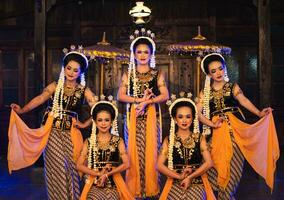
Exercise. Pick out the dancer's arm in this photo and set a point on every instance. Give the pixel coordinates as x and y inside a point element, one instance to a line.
<point>91,99</point>
<point>202,118</point>
<point>124,157</point>
<point>162,97</point>
<point>124,166</point>
<point>122,93</point>
<point>245,102</point>
<point>164,93</point>
<point>207,164</point>
<point>36,101</point>
<point>81,162</point>
<point>163,156</point>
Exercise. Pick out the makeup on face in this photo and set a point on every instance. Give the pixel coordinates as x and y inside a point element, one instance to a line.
<point>103,121</point>
<point>142,54</point>
<point>72,70</point>
<point>216,70</point>
<point>184,117</point>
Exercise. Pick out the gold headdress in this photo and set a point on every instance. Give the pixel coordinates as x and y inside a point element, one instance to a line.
<point>93,139</point>
<point>57,107</point>
<point>206,90</point>
<point>171,103</point>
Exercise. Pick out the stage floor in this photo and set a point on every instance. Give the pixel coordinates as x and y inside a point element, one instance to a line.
<point>28,184</point>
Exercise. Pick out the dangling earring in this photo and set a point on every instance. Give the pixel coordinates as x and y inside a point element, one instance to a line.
<point>226,78</point>
<point>114,129</point>
<point>82,79</point>
<point>171,144</point>
<point>153,61</point>
<point>58,96</point>
<point>93,147</point>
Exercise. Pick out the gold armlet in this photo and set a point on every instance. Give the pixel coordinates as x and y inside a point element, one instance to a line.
<point>238,92</point>
<point>163,84</point>
<point>47,91</point>
<point>163,152</point>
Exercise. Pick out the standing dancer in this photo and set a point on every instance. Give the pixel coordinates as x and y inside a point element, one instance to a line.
<point>143,88</point>
<point>235,140</point>
<point>59,140</point>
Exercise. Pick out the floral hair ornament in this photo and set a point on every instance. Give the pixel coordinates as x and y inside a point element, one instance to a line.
<point>226,78</point>
<point>79,52</point>
<point>93,149</point>
<point>57,108</point>
<point>206,90</point>
<point>171,103</point>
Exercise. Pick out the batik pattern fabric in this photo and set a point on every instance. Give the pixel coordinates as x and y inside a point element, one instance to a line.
<point>221,102</point>
<point>107,154</point>
<point>187,153</point>
<point>61,175</point>
<point>148,80</point>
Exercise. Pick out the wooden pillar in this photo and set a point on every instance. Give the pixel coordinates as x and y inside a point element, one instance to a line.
<point>40,43</point>
<point>76,23</point>
<point>264,53</point>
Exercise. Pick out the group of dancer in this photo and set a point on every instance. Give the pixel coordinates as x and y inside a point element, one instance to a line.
<point>199,162</point>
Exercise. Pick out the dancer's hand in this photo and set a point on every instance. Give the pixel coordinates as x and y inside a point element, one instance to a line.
<point>101,181</point>
<point>140,108</point>
<point>17,108</point>
<point>148,94</point>
<point>185,183</point>
<point>265,111</point>
<point>108,167</point>
<point>181,176</point>
<point>218,123</point>
<point>188,170</point>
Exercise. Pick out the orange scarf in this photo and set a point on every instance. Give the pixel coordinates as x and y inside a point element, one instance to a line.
<point>258,142</point>
<point>207,187</point>
<point>122,189</point>
<point>26,145</point>
<point>151,174</point>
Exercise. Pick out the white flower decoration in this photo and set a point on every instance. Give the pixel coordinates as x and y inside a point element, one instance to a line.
<point>181,94</point>
<point>72,47</point>
<point>110,97</point>
<point>189,95</point>
<point>65,50</point>
<point>173,97</point>
<point>102,97</point>
<point>169,102</point>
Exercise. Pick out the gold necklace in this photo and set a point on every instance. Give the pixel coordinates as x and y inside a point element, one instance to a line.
<point>69,91</point>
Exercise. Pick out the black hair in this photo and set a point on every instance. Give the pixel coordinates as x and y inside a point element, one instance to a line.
<point>143,41</point>
<point>77,58</point>
<point>183,104</point>
<point>103,107</point>
<point>210,59</point>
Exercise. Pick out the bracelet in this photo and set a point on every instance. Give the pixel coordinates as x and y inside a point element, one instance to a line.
<point>152,100</point>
